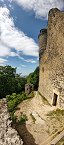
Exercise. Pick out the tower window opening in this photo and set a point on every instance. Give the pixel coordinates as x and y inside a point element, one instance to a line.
<point>55,99</point>
<point>42,69</point>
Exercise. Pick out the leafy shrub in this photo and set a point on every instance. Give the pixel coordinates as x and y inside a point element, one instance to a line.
<point>8,97</point>
<point>11,97</point>
<point>22,119</point>
<point>24,96</point>
<point>13,117</point>
<point>12,104</point>
<point>14,99</point>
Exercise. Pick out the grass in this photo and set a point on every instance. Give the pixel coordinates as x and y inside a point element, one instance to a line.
<point>61,142</point>
<point>33,118</point>
<point>55,120</point>
<point>56,113</point>
<point>0,101</point>
<point>31,95</point>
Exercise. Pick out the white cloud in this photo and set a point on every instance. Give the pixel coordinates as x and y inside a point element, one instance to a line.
<point>13,54</point>
<point>2,0</point>
<point>30,60</point>
<point>4,50</point>
<point>40,7</point>
<point>10,1</point>
<point>2,61</point>
<point>22,65</point>
<point>11,37</point>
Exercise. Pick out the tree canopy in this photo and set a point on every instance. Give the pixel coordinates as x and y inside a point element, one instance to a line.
<point>33,78</point>
<point>10,82</point>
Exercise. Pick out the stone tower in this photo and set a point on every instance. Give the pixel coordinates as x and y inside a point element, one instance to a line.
<point>42,38</point>
<point>51,62</point>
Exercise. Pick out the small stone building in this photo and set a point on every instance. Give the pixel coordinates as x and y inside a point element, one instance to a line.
<point>51,59</point>
<point>28,88</point>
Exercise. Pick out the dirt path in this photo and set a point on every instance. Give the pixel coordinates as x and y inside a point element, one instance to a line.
<point>38,123</point>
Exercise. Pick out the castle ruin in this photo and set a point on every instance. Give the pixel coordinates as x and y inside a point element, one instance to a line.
<point>51,57</point>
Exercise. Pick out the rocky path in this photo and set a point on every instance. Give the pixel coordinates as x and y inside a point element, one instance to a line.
<point>35,111</point>
<point>39,127</point>
<point>8,135</point>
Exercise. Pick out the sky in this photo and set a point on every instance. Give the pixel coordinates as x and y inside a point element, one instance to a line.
<point>20,23</point>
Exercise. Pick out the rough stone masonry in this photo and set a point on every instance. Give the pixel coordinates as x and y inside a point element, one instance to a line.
<point>51,54</point>
<point>8,135</point>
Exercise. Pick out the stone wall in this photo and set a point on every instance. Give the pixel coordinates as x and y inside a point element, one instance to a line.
<point>8,135</point>
<point>51,77</point>
<point>42,41</point>
<point>29,88</point>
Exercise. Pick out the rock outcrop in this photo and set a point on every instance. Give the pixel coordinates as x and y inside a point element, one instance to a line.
<point>8,135</point>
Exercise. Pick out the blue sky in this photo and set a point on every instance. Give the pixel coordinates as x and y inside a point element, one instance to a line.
<point>20,23</point>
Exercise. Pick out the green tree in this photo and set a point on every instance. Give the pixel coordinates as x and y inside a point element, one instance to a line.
<point>20,83</point>
<point>33,78</point>
<point>7,80</point>
<point>10,82</point>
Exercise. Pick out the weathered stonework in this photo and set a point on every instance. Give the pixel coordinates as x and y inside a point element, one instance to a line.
<point>51,75</point>
<point>28,88</point>
<point>8,135</point>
